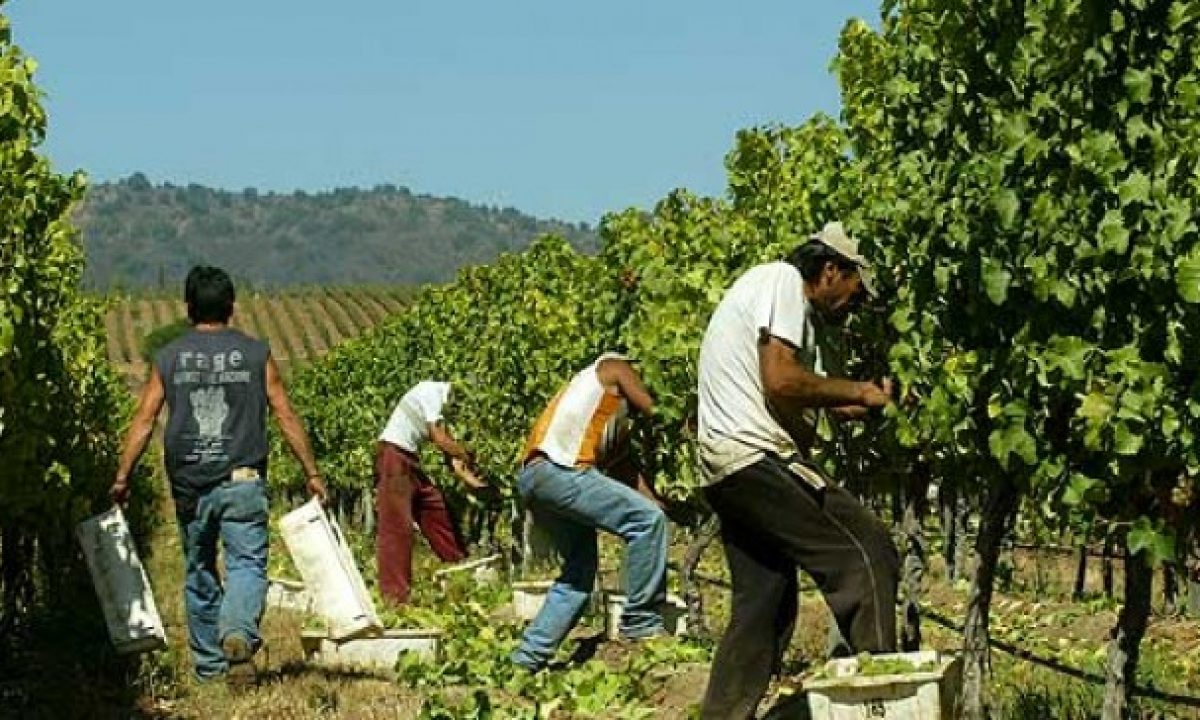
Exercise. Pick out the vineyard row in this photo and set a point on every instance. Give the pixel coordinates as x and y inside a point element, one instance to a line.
<point>299,326</point>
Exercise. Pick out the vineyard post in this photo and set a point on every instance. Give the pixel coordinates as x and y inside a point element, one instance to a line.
<point>965,552</point>
<point>516,554</point>
<point>1191,565</point>
<point>1080,588</point>
<point>1110,544</point>
<point>1193,603</point>
<point>913,532</point>
<point>702,537</point>
<point>947,506</point>
<point>1170,589</point>
<point>367,512</point>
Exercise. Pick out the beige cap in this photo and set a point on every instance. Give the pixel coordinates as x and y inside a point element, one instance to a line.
<point>834,236</point>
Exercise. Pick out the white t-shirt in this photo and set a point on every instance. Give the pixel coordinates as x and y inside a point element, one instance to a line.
<point>408,426</point>
<point>736,428</point>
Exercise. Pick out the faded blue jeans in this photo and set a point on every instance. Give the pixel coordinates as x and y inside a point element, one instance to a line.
<point>570,504</point>
<point>234,513</point>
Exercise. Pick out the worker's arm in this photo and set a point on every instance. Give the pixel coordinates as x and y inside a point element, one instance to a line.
<point>149,403</point>
<point>788,383</point>
<point>293,429</point>
<point>619,373</point>
<point>445,442</point>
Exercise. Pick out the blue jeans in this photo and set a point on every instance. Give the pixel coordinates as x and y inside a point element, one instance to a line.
<point>569,504</point>
<point>236,514</point>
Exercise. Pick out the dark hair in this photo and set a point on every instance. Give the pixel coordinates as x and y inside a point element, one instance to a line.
<point>810,259</point>
<point>209,295</point>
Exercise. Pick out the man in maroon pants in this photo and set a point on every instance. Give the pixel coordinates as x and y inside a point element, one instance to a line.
<point>404,493</point>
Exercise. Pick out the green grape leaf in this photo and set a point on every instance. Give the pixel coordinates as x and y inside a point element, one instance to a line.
<point>1113,237</point>
<point>1138,84</point>
<point>1135,188</point>
<point>1155,541</point>
<point>1187,276</point>
<point>995,280</point>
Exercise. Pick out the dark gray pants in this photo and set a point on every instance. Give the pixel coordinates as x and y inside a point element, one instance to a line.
<point>771,523</point>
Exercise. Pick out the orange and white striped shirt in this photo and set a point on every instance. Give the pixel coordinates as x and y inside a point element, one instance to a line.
<point>584,422</point>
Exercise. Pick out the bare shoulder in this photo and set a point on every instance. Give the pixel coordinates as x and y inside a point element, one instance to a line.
<point>611,369</point>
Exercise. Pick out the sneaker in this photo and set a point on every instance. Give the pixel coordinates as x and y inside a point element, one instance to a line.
<point>238,653</point>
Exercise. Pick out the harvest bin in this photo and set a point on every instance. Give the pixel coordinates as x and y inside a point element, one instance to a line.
<point>929,692</point>
<point>674,614</point>
<point>374,653</point>
<point>121,583</point>
<point>321,555</point>
<point>528,596</point>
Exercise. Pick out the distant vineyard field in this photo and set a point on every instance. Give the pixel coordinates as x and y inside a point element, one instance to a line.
<point>300,325</point>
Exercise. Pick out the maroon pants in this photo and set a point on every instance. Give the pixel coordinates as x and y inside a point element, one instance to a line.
<point>404,494</point>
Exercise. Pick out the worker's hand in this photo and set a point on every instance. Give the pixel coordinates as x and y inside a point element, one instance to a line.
<point>119,492</point>
<point>875,395</point>
<point>316,486</point>
<point>468,473</point>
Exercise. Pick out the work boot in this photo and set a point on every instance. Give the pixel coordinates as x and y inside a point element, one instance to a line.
<point>238,653</point>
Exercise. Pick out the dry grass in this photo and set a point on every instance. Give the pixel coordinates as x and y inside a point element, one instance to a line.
<point>288,688</point>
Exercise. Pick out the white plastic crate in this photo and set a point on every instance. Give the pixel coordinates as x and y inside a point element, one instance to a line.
<point>373,653</point>
<point>483,570</point>
<point>330,574</point>
<point>925,694</point>
<point>674,614</point>
<point>528,597</point>
<point>289,595</point>
<point>121,583</point>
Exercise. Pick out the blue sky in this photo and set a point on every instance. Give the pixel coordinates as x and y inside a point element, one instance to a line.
<point>561,109</point>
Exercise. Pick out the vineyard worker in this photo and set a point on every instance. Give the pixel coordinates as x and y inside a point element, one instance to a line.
<point>761,389</point>
<point>404,493</point>
<point>217,384</point>
<point>570,498</point>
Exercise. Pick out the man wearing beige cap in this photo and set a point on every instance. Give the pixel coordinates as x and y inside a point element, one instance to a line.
<point>762,388</point>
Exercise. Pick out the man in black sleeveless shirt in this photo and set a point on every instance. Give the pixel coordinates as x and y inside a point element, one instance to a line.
<point>218,384</point>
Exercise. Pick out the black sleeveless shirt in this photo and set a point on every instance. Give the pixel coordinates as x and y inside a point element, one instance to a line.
<point>215,383</point>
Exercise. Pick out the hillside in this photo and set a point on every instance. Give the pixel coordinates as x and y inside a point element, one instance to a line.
<point>141,235</point>
<point>301,326</point>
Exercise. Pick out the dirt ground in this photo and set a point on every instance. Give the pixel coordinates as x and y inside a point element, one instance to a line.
<point>161,685</point>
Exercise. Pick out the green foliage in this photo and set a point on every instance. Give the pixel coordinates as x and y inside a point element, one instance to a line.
<point>480,637</point>
<point>134,232</point>
<point>61,404</point>
<point>1032,169</point>
<point>507,336</point>
<point>160,337</point>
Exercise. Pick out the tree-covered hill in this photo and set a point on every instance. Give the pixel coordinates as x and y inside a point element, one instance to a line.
<point>138,234</point>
